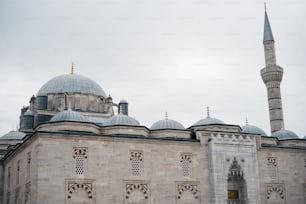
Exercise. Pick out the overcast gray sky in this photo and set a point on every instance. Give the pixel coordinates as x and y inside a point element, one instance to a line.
<point>164,55</point>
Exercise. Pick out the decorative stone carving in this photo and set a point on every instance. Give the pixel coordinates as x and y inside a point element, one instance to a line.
<point>86,186</point>
<point>218,138</point>
<point>272,161</point>
<point>187,186</point>
<point>137,154</point>
<point>186,156</point>
<point>278,188</point>
<point>235,171</point>
<point>142,187</point>
<point>80,151</point>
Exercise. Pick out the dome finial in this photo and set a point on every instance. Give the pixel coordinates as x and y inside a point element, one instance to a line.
<point>72,68</point>
<point>166,115</point>
<point>246,121</point>
<point>207,110</point>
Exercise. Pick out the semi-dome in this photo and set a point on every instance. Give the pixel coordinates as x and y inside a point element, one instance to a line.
<point>71,83</point>
<point>13,135</point>
<point>251,129</point>
<point>69,115</point>
<point>121,119</point>
<point>167,124</point>
<point>285,134</point>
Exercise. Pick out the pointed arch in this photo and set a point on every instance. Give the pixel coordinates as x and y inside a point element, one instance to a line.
<point>142,187</point>
<point>183,187</point>
<point>87,187</point>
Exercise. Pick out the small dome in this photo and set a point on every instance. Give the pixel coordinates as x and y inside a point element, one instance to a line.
<point>167,124</point>
<point>71,83</point>
<point>121,119</point>
<point>251,129</point>
<point>285,134</point>
<point>69,115</point>
<point>209,121</point>
<point>13,135</point>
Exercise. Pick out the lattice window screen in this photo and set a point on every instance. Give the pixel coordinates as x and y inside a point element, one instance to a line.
<point>79,164</point>
<point>186,164</point>
<point>272,167</point>
<point>136,162</point>
<point>80,157</point>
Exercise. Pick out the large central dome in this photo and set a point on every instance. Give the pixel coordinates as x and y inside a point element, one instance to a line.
<point>71,83</point>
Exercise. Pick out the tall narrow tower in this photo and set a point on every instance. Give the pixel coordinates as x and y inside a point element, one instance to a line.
<point>272,76</point>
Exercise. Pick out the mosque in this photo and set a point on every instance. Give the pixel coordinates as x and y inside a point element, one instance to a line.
<point>73,148</point>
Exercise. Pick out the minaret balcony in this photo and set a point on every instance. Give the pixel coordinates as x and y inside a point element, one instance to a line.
<point>272,74</point>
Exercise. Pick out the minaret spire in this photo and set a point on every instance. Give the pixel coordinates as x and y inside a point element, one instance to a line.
<point>265,6</point>
<point>272,76</point>
<point>268,36</point>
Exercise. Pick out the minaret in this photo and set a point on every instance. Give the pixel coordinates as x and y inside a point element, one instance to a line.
<point>272,76</point>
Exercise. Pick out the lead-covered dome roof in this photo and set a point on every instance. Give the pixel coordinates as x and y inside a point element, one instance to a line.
<point>121,119</point>
<point>285,134</point>
<point>69,115</point>
<point>167,124</point>
<point>209,120</point>
<point>251,129</point>
<point>71,83</point>
<point>13,135</point>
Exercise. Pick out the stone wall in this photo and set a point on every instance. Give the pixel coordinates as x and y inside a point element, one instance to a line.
<point>20,174</point>
<point>121,170</point>
<point>282,175</point>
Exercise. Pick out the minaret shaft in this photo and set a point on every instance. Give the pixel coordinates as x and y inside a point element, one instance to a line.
<point>275,106</point>
<point>272,76</point>
<point>270,57</point>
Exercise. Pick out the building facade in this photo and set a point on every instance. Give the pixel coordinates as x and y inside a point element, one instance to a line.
<point>72,148</point>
